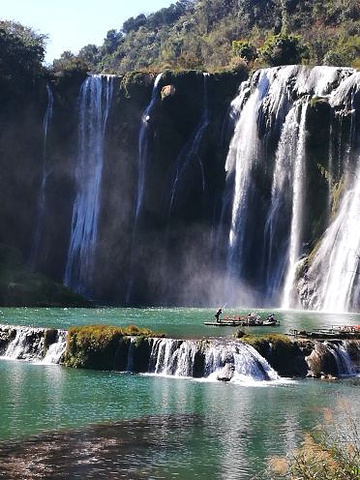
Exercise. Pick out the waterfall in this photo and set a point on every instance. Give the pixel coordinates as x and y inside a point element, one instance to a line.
<point>143,147</point>
<point>262,104</point>
<point>297,210</point>
<point>94,105</point>
<point>41,202</point>
<point>279,216</point>
<point>333,277</point>
<point>342,358</point>
<point>143,154</point>
<point>160,356</point>
<point>337,258</point>
<point>191,151</point>
<point>32,344</point>
<point>266,176</point>
<point>56,350</point>
<point>207,360</point>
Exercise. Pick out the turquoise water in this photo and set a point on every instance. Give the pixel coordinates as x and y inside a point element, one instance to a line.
<point>175,322</point>
<point>143,426</point>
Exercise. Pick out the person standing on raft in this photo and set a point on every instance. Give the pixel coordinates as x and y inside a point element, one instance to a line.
<point>217,315</point>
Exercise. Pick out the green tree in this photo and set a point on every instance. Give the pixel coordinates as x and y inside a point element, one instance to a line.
<point>133,24</point>
<point>112,41</point>
<point>90,54</point>
<point>22,50</point>
<point>284,49</point>
<point>69,63</point>
<point>244,49</point>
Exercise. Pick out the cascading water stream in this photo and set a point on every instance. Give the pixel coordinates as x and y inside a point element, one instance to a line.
<point>95,101</point>
<point>297,209</point>
<point>143,147</point>
<point>196,359</point>
<point>338,256</point>
<point>262,104</point>
<point>270,141</point>
<point>191,151</point>
<point>280,213</point>
<point>41,203</point>
<point>341,355</point>
<point>239,162</point>
<point>29,344</point>
<point>143,154</point>
<point>333,274</point>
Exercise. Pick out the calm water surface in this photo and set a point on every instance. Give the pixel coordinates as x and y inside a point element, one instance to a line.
<point>63,423</point>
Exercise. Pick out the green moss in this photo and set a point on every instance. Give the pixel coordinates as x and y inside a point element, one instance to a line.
<point>273,338</point>
<point>95,346</point>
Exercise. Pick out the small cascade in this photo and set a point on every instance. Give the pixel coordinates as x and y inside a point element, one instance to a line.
<point>341,355</point>
<point>56,350</point>
<point>334,358</point>
<point>208,360</point>
<point>191,151</point>
<point>32,344</point>
<point>246,362</point>
<point>173,357</point>
<point>41,202</point>
<point>94,106</point>
<point>143,154</point>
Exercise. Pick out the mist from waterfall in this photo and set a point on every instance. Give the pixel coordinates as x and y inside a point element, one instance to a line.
<point>94,106</point>
<point>41,202</point>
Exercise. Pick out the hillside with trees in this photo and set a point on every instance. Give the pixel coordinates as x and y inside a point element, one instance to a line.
<point>209,35</point>
<point>229,34</point>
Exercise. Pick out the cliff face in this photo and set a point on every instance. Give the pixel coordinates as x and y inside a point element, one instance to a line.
<point>149,244</point>
<point>189,188</point>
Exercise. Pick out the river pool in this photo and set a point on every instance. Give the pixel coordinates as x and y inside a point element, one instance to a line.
<point>64,423</point>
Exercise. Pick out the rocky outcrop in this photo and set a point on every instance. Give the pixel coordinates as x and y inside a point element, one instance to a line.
<point>19,286</point>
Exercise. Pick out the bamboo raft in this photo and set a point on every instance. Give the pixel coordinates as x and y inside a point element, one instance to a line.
<point>243,322</point>
<point>335,332</point>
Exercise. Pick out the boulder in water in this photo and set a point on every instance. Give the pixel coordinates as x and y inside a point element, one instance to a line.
<point>321,361</point>
<point>226,373</point>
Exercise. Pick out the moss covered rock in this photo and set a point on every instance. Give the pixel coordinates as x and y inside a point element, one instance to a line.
<point>21,287</point>
<point>103,347</point>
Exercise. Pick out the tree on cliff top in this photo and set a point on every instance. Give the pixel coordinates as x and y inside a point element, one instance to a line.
<point>22,50</point>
